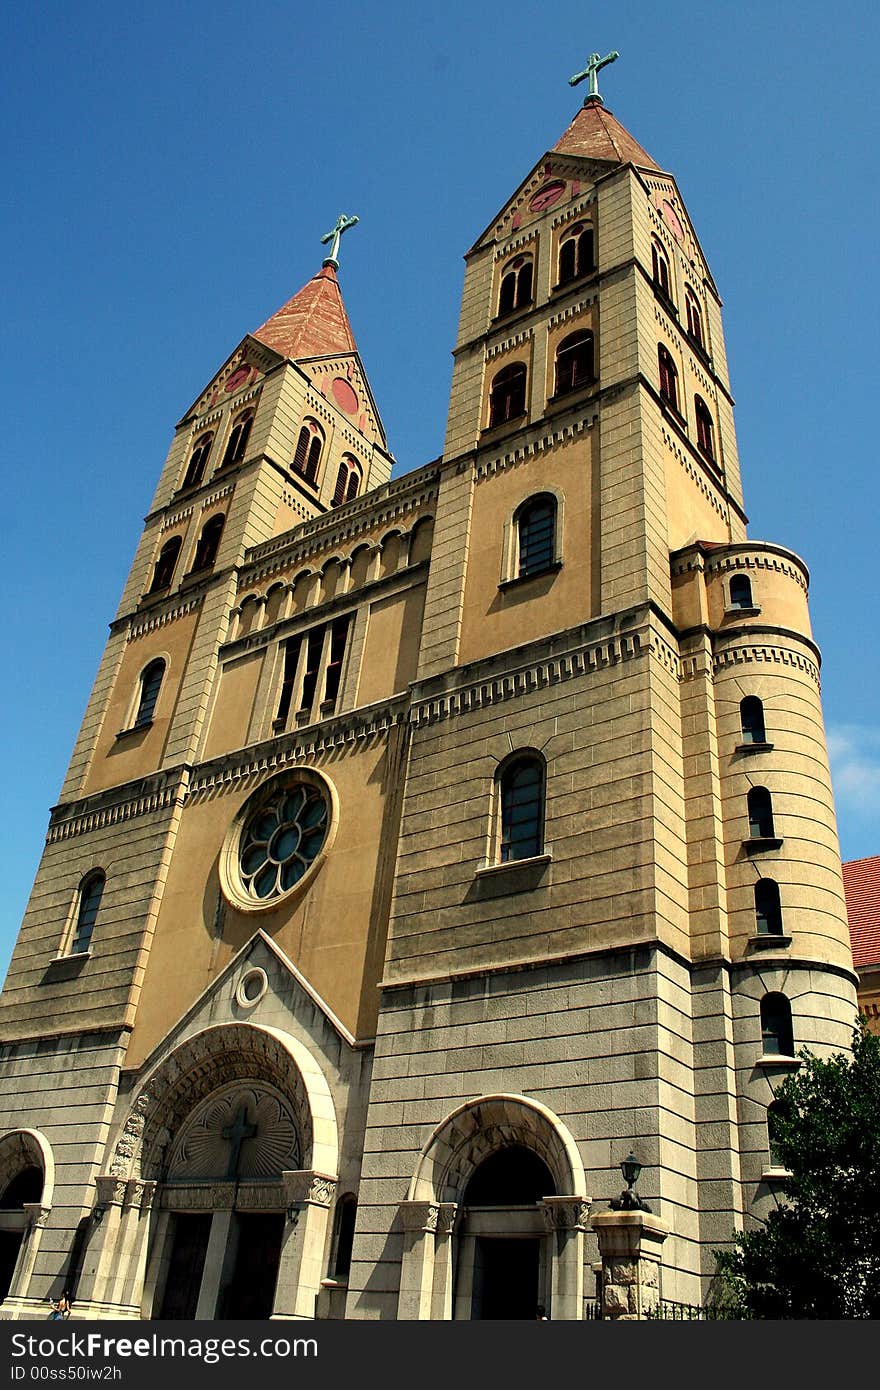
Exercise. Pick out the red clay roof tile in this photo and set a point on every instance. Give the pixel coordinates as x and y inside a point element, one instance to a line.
<point>311,324</point>
<point>861,883</point>
<point>597,134</point>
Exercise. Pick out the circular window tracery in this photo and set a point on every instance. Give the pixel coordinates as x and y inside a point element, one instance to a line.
<point>277,840</point>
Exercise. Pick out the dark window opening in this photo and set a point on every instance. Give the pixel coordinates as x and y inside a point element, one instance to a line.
<point>660,268</point>
<point>511,1177</point>
<point>574,362</point>
<point>751,714</point>
<point>308,454</point>
<point>536,535</point>
<point>198,459</point>
<point>151,683</point>
<point>768,908</point>
<point>346,1214</point>
<point>777,1034</point>
<point>668,377</point>
<point>516,286</point>
<point>291,658</point>
<point>521,787</point>
<point>338,635</point>
<point>164,569</point>
<point>741,592</point>
<point>705,428</point>
<point>26,1186</point>
<point>694,320</point>
<point>507,396</point>
<point>238,440</point>
<point>760,814</point>
<point>576,255</point>
<point>208,543</point>
<point>90,893</point>
<point>314,647</point>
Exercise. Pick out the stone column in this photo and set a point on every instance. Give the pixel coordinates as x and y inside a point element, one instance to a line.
<point>139,1199</point>
<point>309,1196</point>
<point>441,1299</point>
<point>97,1277</point>
<point>36,1216</point>
<point>417,1266</point>
<point>215,1262</point>
<point>630,1245</point>
<point>567,1219</point>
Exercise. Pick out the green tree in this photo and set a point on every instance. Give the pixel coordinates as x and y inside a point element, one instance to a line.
<point>818,1253</point>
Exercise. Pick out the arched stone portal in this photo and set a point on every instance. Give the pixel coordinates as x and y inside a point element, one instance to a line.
<point>27,1181</point>
<point>458,1251</point>
<point>223,1172</point>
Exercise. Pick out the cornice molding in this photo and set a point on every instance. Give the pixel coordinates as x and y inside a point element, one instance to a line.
<point>517,340</point>
<point>572,310</point>
<point>529,448</point>
<point>142,798</point>
<point>750,651</point>
<point>138,627</point>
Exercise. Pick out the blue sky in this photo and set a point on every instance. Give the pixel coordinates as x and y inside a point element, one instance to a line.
<point>171,168</point>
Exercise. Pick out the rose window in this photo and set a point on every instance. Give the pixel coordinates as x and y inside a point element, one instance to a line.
<point>281,839</point>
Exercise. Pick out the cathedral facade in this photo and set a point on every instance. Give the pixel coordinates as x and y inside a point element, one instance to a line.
<point>433,841</point>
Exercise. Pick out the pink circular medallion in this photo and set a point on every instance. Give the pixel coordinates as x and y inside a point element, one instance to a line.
<point>344,395</point>
<point>547,196</point>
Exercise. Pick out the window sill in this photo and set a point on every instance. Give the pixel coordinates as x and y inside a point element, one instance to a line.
<point>775,1174</point>
<point>72,956</point>
<point>509,865</point>
<point>751,612</point>
<point>700,351</point>
<point>756,844</point>
<point>574,282</point>
<point>664,299</point>
<point>496,431</point>
<point>674,412</point>
<point>552,568</point>
<point>135,729</point>
<point>778,1060</point>
<point>763,940</point>
<point>512,313</point>
<point>753,747</point>
<point>561,396</point>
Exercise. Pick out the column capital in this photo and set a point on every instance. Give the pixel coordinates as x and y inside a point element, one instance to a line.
<point>629,1234</point>
<point>307,1186</point>
<point>110,1190</point>
<point>566,1213</point>
<point>37,1215</point>
<point>421,1216</point>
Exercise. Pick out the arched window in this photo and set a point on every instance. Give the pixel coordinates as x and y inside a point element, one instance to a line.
<point>660,267</point>
<point>776,1112</point>
<point>516,285</point>
<point>197,460</point>
<point>760,814</point>
<point>343,1240</point>
<point>308,452</point>
<point>208,543</point>
<point>694,319</point>
<point>536,534</point>
<point>88,902</point>
<point>768,908</point>
<point>741,592</point>
<point>668,376</point>
<point>507,394</point>
<point>164,570</point>
<point>705,428</point>
<point>576,254</point>
<point>574,362</point>
<point>151,683</point>
<point>751,716</point>
<point>521,798</point>
<point>777,1036</point>
<point>238,439</point>
<point>510,1177</point>
<point>348,481</point>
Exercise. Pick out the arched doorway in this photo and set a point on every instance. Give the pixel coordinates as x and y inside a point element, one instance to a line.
<point>26,1186</point>
<point>222,1176</point>
<point>503,1265</point>
<point>26,1183</point>
<point>494,1217</point>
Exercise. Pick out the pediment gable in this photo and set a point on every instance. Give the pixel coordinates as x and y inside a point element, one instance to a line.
<point>239,375</point>
<point>342,381</point>
<point>672,218</point>
<point>556,181</point>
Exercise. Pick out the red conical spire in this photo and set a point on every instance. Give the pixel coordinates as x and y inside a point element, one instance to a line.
<point>311,324</point>
<point>596,134</point>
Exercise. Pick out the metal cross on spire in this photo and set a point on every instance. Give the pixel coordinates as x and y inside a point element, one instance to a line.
<point>342,225</point>
<point>594,63</point>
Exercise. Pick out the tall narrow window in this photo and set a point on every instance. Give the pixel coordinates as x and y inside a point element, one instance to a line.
<point>777,1034</point>
<point>536,534</point>
<point>151,683</point>
<point>660,267</point>
<point>238,439</point>
<point>521,794</point>
<point>164,570</point>
<point>741,592</point>
<point>576,254</point>
<point>507,394</point>
<point>668,377</point>
<point>574,362</point>
<point>694,319</point>
<point>291,659</point>
<point>516,286</point>
<point>751,715</point>
<point>314,647</point>
<point>775,1113</point>
<point>208,543</point>
<point>768,908</point>
<point>354,481</point>
<point>197,460</point>
<point>705,428</point>
<point>336,654</point>
<point>760,814</point>
<point>88,902</point>
<point>346,1212</point>
<point>307,456</point>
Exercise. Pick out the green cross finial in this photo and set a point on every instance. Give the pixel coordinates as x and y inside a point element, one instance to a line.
<point>342,225</point>
<point>594,63</point>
